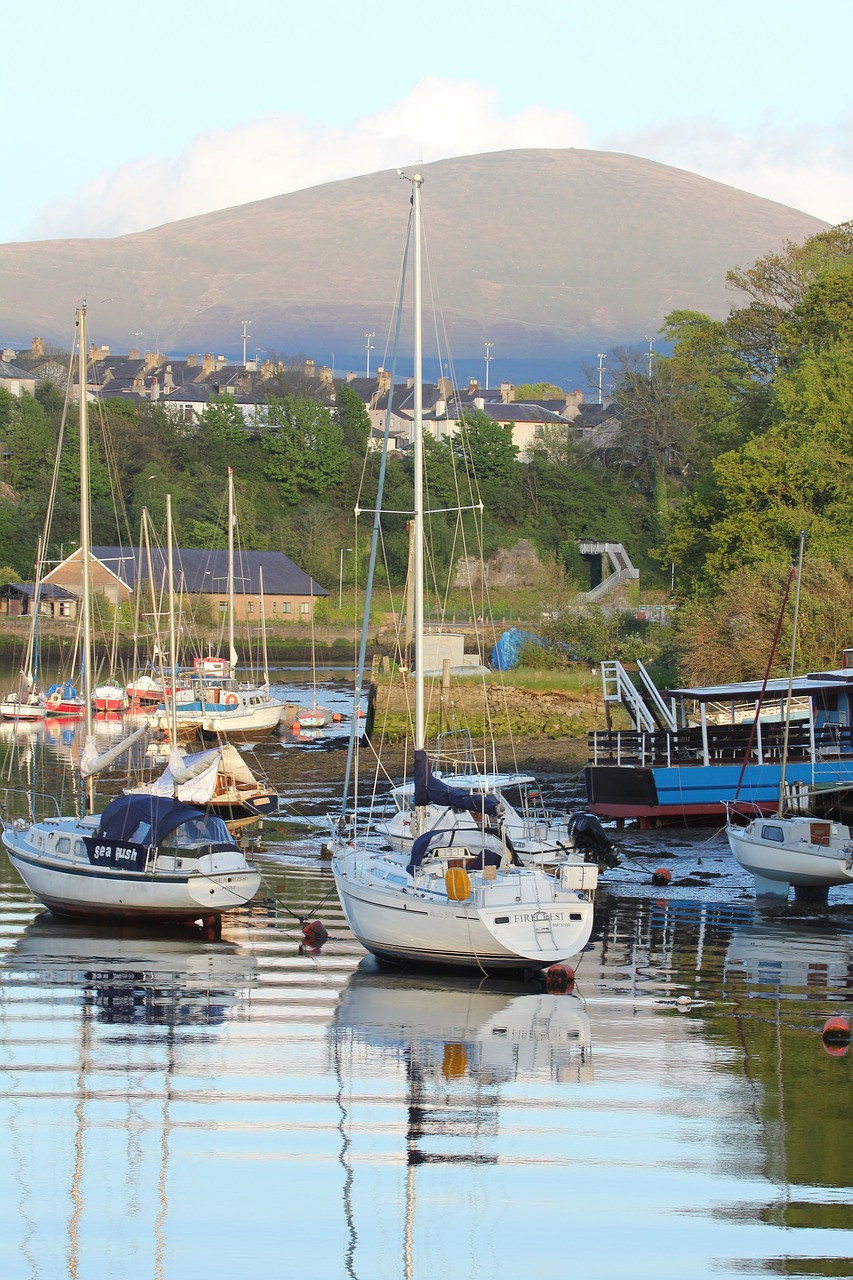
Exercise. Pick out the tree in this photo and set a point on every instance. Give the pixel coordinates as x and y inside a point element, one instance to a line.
<point>539,391</point>
<point>487,446</point>
<point>29,439</point>
<point>303,447</point>
<point>353,419</point>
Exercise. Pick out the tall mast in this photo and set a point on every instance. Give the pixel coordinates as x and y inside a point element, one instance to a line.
<point>420,723</point>
<point>232,652</point>
<point>85,538</point>
<point>173,657</point>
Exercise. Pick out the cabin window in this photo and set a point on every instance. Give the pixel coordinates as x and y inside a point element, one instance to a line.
<point>63,845</point>
<point>773,833</point>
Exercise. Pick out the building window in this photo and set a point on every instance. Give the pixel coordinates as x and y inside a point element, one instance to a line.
<point>250,606</point>
<point>285,606</point>
<point>223,606</point>
<point>304,607</point>
<point>274,606</point>
<point>65,609</point>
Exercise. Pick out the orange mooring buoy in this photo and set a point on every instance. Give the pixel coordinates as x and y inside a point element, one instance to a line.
<point>296,727</point>
<point>559,978</point>
<point>337,717</point>
<point>315,933</point>
<point>661,876</point>
<point>836,1036</point>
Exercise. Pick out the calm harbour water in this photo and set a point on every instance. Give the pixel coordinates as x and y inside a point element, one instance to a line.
<point>174,1106</point>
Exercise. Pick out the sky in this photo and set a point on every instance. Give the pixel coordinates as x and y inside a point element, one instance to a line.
<point>120,118</point>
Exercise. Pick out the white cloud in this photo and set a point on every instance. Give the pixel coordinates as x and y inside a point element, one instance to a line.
<point>274,154</point>
<point>808,169</point>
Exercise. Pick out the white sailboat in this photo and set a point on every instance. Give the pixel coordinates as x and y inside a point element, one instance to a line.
<point>145,857</point>
<point>223,707</point>
<point>791,848</point>
<point>460,897</point>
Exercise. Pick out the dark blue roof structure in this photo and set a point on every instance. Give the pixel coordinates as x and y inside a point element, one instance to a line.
<point>206,570</point>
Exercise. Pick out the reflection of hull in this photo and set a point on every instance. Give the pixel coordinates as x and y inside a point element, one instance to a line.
<point>776,954</point>
<point>520,918</point>
<point>798,851</point>
<point>501,1030</point>
<point>136,978</point>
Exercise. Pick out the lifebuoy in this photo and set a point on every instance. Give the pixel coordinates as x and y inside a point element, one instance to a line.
<point>231,700</point>
<point>54,699</point>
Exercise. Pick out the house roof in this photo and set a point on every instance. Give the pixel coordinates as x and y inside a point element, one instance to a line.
<point>9,370</point>
<point>47,591</point>
<point>206,570</point>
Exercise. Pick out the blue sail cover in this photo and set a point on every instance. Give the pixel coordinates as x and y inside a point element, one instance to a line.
<point>123,816</point>
<point>432,790</point>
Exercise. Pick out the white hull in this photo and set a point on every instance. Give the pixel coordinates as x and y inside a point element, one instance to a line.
<point>798,851</point>
<point>171,888</point>
<point>523,918</point>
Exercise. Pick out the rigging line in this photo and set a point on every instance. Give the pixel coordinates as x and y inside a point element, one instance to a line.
<point>776,635</point>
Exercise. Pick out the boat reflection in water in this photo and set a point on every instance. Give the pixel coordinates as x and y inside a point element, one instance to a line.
<point>444,1028</point>
<point>130,1018</point>
<point>125,975</point>
<point>442,1049</point>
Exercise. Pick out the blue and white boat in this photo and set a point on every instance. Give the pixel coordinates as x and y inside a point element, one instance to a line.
<point>691,752</point>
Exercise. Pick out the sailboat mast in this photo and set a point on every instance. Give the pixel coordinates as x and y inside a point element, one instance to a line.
<point>232,652</point>
<point>85,535</point>
<point>780,808</point>
<point>173,657</point>
<point>420,723</point>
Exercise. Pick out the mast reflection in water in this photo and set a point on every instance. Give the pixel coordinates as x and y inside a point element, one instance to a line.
<point>172,1104</point>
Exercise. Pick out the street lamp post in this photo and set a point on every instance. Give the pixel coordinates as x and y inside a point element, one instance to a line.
<point>245,324</point>
<point>344,550</point>
<point>489,358</point>
<point>601,358</point>
<point>651,343</point>
<point>368,348</point>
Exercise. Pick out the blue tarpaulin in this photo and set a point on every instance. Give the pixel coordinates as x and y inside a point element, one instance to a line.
<point>506,652</point>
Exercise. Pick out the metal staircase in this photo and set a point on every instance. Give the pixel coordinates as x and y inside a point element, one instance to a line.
<point>621,568</point>
<point>645,705</point>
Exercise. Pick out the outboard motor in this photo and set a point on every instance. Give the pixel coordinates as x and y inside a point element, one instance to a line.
<point>590,838</point>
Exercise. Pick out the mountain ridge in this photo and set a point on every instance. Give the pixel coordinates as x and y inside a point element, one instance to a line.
<point>543,252</point>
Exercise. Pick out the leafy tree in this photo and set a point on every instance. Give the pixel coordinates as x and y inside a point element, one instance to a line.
<point>539,391</point>
<point>728,636</point>
<point>487,446</point>
<point>303,448</point>
<point>353,419</point>
<point>29,439</point>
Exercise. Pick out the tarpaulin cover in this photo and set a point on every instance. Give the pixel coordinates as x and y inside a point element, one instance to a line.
<point>485,849</point>
<point>124,814</point>
<point>506,652</point>
<point>432,790</point>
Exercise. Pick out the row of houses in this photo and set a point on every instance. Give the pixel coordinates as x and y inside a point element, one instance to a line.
<point>186,386</point>
<point>267,584</point>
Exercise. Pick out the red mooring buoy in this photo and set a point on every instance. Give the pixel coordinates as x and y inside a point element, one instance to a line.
<point>836,1036</point>
<point>315,933</point>
<point>559,978</point>
<point>337,717</point>
<point>661,876</point>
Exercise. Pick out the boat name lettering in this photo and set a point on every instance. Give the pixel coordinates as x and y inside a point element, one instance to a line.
<point>128,856</point>
<point>525,917</point>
